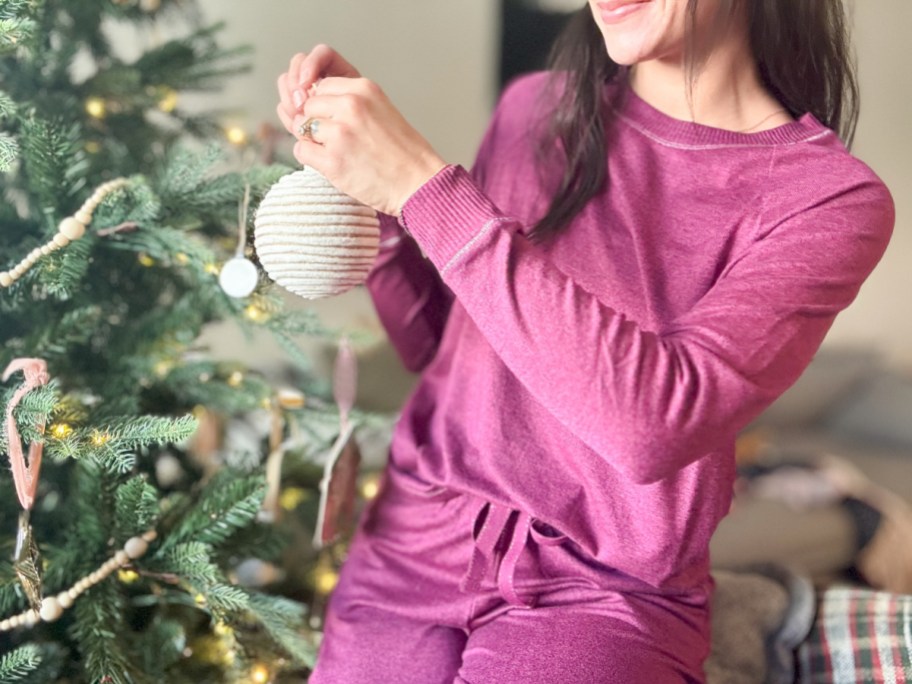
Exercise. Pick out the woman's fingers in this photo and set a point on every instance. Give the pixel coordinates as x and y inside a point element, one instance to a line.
<point>294,68</point>
<point>329,106</point>
<point>287,121</point>
<point>304,70</point>
<point>285,95</point>
<point>345,86</point>
<point>316,156</point>
<point>323,61</point>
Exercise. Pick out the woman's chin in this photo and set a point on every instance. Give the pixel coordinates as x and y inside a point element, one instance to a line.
<point>626,53</point>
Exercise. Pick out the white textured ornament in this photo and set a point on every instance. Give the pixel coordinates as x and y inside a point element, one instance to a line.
<point>312,239</point>
<point>238,277</point>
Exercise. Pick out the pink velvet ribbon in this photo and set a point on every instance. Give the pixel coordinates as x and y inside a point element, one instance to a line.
<point>25,476</point>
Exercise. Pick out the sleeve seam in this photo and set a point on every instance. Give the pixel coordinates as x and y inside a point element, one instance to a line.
<point>475,238</point>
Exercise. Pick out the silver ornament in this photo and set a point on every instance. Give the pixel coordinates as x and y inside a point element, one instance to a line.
<point>312,239</point>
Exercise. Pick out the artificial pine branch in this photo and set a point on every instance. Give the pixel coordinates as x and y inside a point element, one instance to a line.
<point>16,665</point>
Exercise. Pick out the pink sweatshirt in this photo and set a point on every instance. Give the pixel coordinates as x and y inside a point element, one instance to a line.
<point>598,382</point>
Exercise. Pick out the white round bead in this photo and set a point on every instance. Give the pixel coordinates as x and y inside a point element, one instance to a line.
<point>5,625</point>
<point>35,253</point>
<point>6,279</point>
<point>30,619</point>
<point>150,535</point>
<point>238,277</point>
<point>84,216</point>
<point>136,547</point>
<point>73,592</point>
<point>72,228</point>
<point>121,557</point>
<point>312,239</point>
<point>15,620</point>
<point>51,609</point>
<point>61,240</point>
<point>46,249</point>
<point>65,600</point>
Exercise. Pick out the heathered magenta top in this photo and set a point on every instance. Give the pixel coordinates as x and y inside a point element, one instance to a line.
<point>598,381</point>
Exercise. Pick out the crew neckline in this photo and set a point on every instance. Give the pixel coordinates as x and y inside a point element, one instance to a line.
<point>634,110</point>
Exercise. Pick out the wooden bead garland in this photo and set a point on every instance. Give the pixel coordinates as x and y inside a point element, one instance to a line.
<point>71,228</point>
<point>312,239</point>
<point>52,607</point>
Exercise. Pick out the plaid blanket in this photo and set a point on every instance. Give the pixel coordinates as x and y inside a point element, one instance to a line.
<point>859,635</point>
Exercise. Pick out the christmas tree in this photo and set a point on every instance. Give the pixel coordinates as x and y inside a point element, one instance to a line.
<point>124,558</point>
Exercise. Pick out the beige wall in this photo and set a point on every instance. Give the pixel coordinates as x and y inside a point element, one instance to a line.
<point>882,314</point>
<point>432,57</point>
<point>436,59</point>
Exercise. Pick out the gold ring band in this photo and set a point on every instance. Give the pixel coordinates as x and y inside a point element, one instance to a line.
<point>308,128</point>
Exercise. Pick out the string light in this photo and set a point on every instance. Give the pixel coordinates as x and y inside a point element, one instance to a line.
<point>61,430</point>
<point>162,368</point>
<point>127,576</point>
<point>370,486</point>
<point>259,673</point>
<point>291,497</point>
<point>212,269</point>
<point>93,147</point>
<point>325,576</point>
<point>168,102</point>
<point>182,258</point>
<point>100,439</point>
<point>146,260</point>
<point>96,107</point>
<point>256,313</point>
<point>236,135</point>
<point>235,379</point>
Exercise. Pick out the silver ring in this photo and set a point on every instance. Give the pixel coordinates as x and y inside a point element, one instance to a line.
<point>309,128</point>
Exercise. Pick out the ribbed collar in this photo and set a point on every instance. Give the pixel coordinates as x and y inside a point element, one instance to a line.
<point>635,111</point>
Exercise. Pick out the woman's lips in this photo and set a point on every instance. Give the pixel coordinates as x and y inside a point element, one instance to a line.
<point>618,10</point>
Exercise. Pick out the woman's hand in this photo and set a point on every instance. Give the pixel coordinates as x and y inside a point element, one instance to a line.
<point>303,72</point>
<point>363,145</point>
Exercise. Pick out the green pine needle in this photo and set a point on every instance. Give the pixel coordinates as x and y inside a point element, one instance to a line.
<point>284,620</point>
<point>229,502</point>
<point>9,151</point>
<point>135,508</point>
<point>16,665</point>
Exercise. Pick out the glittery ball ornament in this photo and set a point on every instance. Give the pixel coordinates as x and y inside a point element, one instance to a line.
<point>312,239</point>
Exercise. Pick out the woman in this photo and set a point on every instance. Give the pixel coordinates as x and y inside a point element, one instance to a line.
<point>649,249</point>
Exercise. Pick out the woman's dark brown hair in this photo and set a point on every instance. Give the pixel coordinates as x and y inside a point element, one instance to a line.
<point>801,47</point>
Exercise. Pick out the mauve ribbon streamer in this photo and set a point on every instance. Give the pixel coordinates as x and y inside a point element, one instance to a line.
<point>25,476</point>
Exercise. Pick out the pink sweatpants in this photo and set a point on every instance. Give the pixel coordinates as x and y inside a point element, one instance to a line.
<point>442,587</point>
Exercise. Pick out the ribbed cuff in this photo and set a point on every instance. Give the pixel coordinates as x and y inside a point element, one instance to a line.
<point>446,212</point>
